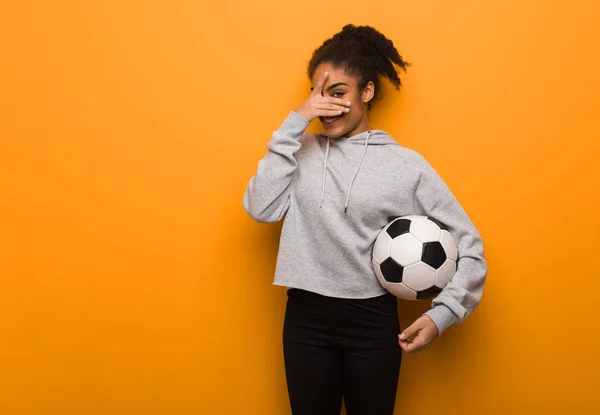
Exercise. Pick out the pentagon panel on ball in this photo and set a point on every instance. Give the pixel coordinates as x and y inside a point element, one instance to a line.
<point>433,254</point>
<point>414,257</point>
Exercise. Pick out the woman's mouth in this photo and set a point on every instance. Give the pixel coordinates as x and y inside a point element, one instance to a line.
<point>328,121</point>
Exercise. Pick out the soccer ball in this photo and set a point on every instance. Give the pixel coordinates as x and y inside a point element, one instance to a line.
<point>414,257</point>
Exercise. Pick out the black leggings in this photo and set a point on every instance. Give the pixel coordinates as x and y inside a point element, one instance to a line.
<point>336,348</point>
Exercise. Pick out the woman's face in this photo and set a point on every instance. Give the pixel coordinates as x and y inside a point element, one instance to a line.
<point>344,86</point>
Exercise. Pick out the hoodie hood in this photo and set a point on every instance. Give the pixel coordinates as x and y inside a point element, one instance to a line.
<point>366,138</point>
<point>376,137</point>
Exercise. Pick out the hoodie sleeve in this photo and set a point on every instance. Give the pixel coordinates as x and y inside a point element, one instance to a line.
<point>462,294</point>
<point>267,195</point>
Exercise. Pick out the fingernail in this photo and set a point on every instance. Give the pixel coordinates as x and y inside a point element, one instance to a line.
<point>402,336</point>
<point>348,103</point>
<point>347,109</point>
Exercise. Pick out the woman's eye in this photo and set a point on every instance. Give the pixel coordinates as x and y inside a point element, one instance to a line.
<point>337,94</point>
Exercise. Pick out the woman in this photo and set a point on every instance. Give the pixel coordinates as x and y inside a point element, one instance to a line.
<point>337,190</point>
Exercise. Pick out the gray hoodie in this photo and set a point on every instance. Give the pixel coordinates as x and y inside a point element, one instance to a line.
<point>337,195</point>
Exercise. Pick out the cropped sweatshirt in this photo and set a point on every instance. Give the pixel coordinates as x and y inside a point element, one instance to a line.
<point>336,194</point>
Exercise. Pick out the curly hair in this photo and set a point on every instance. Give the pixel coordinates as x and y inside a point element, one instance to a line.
<point>363,52</point>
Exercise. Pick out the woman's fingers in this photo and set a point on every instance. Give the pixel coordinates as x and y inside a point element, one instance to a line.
<point>332,107</point>
<point>336,101</point>
<point>328,113</point>
<point>318,89</point>
<point>318,105</point>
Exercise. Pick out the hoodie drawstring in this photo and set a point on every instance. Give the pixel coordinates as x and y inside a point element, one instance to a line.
<point>356,172</point>
<point>353,177</point>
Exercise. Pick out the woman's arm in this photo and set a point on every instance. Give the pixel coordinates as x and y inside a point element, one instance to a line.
<point>462,294</point>
<point>267,196</point>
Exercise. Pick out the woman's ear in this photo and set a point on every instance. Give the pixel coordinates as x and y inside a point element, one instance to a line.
<point>368,92</point>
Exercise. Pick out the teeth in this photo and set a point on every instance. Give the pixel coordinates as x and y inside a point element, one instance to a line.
<point>329,120</point>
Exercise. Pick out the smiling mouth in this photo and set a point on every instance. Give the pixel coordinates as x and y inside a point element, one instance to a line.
<point>330,120</point>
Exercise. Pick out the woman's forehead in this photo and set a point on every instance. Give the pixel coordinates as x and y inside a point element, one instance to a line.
<point>335,75</point>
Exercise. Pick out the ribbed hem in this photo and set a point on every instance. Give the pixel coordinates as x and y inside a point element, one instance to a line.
<point>293,125</point>
<point>443,317</point>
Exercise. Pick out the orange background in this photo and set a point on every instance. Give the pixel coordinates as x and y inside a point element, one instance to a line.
<point>132,281</point>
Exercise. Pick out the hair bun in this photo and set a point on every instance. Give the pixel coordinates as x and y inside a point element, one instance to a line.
<point>374,42</point>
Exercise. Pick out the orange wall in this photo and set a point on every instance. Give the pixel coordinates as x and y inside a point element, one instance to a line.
<point>132,281</point>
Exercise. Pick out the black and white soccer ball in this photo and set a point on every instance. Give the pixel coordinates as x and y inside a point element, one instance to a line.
<point>414,257</point>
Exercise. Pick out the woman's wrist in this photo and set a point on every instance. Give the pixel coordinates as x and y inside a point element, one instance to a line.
<point>303,113</point>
